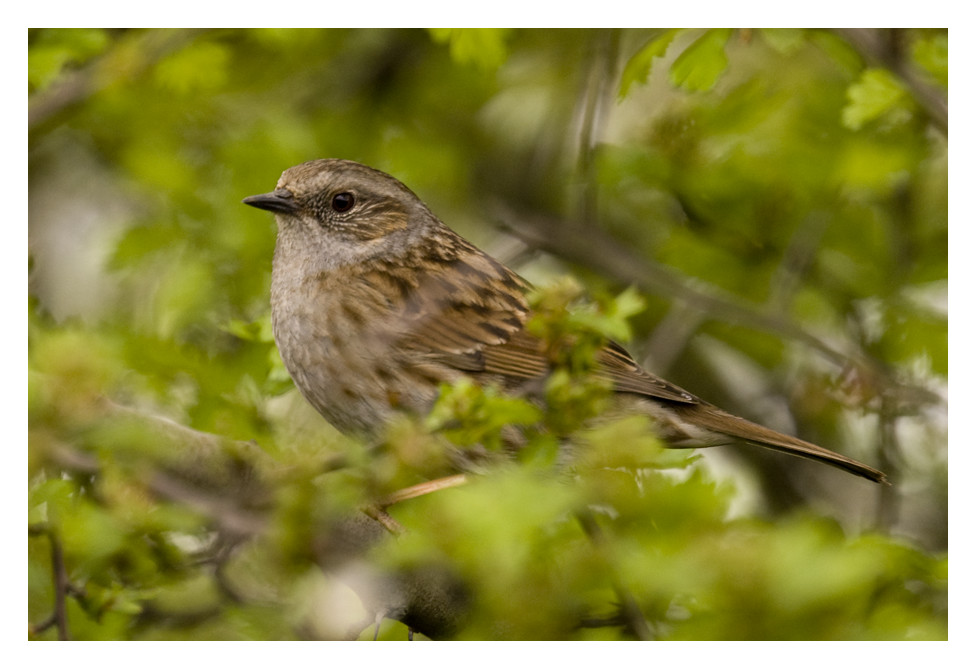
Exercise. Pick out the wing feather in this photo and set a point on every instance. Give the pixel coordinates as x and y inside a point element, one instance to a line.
<point>473,316</point>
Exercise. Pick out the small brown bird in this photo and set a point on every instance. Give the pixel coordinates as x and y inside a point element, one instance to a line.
<point>375,303</point>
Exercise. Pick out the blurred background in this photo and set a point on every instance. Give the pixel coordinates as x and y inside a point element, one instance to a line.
<point>777,197</point>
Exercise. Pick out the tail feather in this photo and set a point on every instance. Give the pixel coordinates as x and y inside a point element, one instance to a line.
<point>713,418</point>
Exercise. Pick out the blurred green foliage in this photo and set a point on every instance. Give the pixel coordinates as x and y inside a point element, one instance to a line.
<point>776,200</point>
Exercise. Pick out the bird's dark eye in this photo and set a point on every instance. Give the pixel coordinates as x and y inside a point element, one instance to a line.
<point>342,202</point>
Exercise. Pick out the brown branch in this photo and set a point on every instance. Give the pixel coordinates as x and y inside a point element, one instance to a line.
<point>593,248</point>
<point>594,100</point>
<point>379,514</point>
<point>204,474</point>
<point>209,473</point>
<point>671,335</point>
<point>888,447</point>
<point>202,445</point>
<point>129,58</point>
<point>630,615</point>
<point>214,504</point>
<point>423,489</point>
<point>797,259</point>
<point>378,511</point>
<point>205,446</point>
<point>62,587</point>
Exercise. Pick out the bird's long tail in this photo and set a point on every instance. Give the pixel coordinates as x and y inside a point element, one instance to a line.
<point>713,418</point>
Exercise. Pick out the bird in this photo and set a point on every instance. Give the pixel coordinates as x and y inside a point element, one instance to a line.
<point>375,303</point>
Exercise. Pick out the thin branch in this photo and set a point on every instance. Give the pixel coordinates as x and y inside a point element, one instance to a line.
<point>597,250</point>
<point>62,587</point>
<point>215,505</point>
<point>888,447</point>
<point>631,616</point>
<point>591,247</point>
<point>127,59</point>
<point>378,511</point>
<point>594,100</point>
<point>204,446</point>
<point>797,260</point>
<point>671,335</point>
<point>209,473</point>
<point>222,478</point>
<point>379,514</point>
<point>423,489</point>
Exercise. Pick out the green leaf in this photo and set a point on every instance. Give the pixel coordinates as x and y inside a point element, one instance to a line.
<point>44,65</point>
<point>610,319</point>
<point>784,40</point>
<point>483,47</point>
<point>470,414</point>
<point>92,535</point>
<point>54,50</point>
<point>699,66</point>
<point>201,66</point>
<point>251,331</point>
<point>638,67</point>
<point>630,442</point>
<point>933,56</point>
<point>876,93</point>
<point>838,50</point>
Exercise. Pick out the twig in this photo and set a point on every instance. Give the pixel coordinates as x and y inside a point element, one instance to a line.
<point>888,447</point>
<point>423,489</point>
<point>378,511</point>
<point>128,58</point>
<point>203,444</point>
<point>599,251</point>
<point>223,494</point>
<point>378,514</point>
<point>671,335</point>
<point>62,587</point>
<point>595,96</point>
<point>797,259</point>
<point>215,505</point>
<point>206,446</point>
<point>630,616</point>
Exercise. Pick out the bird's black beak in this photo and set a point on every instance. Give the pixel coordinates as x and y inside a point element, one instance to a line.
<point>280,200</point>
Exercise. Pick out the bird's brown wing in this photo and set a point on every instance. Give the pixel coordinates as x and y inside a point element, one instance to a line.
<point>628,377</point>
<point>471,316</point>
<point>460,307</point>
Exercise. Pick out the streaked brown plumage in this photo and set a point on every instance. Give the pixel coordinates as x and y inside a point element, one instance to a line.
<point>375,302</point>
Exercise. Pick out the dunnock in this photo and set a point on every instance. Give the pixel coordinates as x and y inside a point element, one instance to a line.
<point>375,303</point>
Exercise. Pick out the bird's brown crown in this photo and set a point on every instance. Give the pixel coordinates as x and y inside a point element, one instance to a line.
<point>349,199</point>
